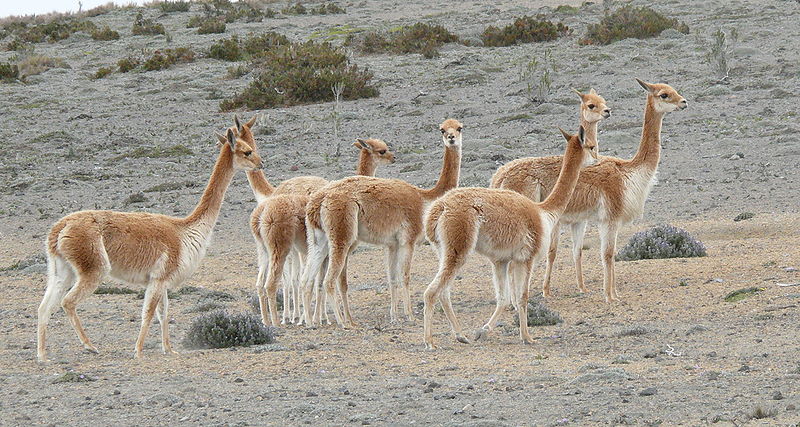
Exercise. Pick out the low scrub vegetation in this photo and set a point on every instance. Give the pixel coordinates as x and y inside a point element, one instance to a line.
<point>231,12</point>
<point>527,29</point>
<point>220,329</point>
<point>540,315</point>
<point>8,72</point>
<point>630,22</point>
<point>741,294</point>
<point>323,9</point>
<point>128,64</point>
<point>239,49</point>
<point>106,33</point>
<point>36,64</point>
<point>661,241</point>
<point>418,38</point>
<point>159,60</point>
<point>301,73</point>
<point>52,31</point>
<point>173,6</point>
<point>211,26</point>
<point>142,26</point>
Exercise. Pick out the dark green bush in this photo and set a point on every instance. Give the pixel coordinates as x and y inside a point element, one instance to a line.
<point>295,9</point>
<point>630,22</point>
<point>196,21</point>
<point>128,64</point>
<point>661,241</point>
<point>301,73</point>
<point>211,26</point>
<point>174,6</point>
<point>527,29</point>
<point>230,12</point>
<point>143,26</point>
<point>540,315</point>
<point>236,49</point>
<point>226,49</point>
<point>9,71</point>
<point>105,34</point>
<point>219,329</point>
<point>327,9</point>
<point>17,45</point>
<point>52,31</point>
<point>418,38</point>
<point>168,57</point>
<point>102,72</point>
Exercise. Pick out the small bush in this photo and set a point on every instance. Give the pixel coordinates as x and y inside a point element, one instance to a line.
<point>128,64</point>
<point>143,26</point>
<point>721,50</point>
<point>418,38</point>
<point>741,294</point>
<point>327,9</point>
<point>759,413</point>
<point>9,71</point>
<point>527,29</point>
<point>211,26</point>
<point>634,331</point>
<point>744,216</point>
<point>661,241</point>
<point>174,6</point>
<point>226,49</point>
<point>219,329</point>
<point>17,45</point>
<point>630,22</point>
<point>105,34</point>
<point>295,9</point>
<point>302,73</point>
<point>196,21</point>
<point>540,315</point>
<point>114,290</point>
<point>73,377</point>
<point>162,60</point>
<point>37,64</point>
<point>52,31</point>
<point>236,49</point>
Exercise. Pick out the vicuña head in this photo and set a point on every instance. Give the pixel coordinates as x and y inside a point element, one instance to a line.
<point>244,155</point>
<point>665,99</point>
<point>376,148</point>
<point>451,132</point>
<point>593,107</point>
<point>588,146</point>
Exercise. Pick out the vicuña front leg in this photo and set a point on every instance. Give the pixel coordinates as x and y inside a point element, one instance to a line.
<point>522,310</point>
<point>555,234</point>
<point>578,232</point>
<point>152,297</point>
<point>406,256</point>
<point>162,313</point>
<point>501,285</point>
<point>608,248</point>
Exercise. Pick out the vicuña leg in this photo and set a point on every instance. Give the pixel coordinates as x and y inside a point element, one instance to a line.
<point>608,248</point>
<point>261,283</point>
<point>60,279</point>
<point>501,285</point>
<point>578,232</point>
<point>405,257</point>
<point>277,261</point>
<point>392,274</point>
<point>337,257</point>
<point>522,309</point>
<point>88,280</point>
<point>162,313</point>
<point>555,234</point>
<point>348,318</point>
<point>317,254</point>
<point>152,297</point>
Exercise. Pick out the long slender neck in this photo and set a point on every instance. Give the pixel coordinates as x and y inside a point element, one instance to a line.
<point>558,199</point>
<point>590,130</point>
<point>366,164</point>
<point>448,178</point>
<point>207,210</point>
<point>259,184</point>
<point>649,151</point>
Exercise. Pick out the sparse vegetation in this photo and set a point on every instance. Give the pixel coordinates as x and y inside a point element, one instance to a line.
<point>238,49</point>
<point>630,22</point>
<point>295,9</point>
<point>211,26</point>
<point>540,315</point>
<point>744,216</point>
<point>52,31</point>
<point>720,50</point>
<point>759,413</point>
<point>174,6</point>
<point>255,304</point>
<point>301,73</point>
<point>741,294</point>
<point>205,307</point>
<point>114,290</point>
<point>37,64</point>
<point>634,331</point>
<point>661,241</point>
<point>128,64</point>
<point>73,377</point>
<point>418,38</point>
<point>143,26</point>
<point>219,329</point>
<point>162,60</point>
<point>106,33</point>
<point>537,75</point>
<point>8,72</point>
<point>527,29</point>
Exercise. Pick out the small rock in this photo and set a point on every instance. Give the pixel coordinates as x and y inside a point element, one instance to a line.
<point>777,395</point>
<point>744,368</point>
<point>649,391</point>
<point>696,329</point>
<point>790,407</point>
<point>238,380</point>
<point>311,394</point>
<point>744,216</point>
<point>790,269</point>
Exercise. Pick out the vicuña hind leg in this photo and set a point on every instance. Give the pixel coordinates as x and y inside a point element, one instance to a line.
<point>317,254</point>
<point>60,279</point>
<point>348,318</point>
<point>522,311</point>
<point>392,274</point>
<point>608,248</point>
<point>405,257</point>
<point>162,314</point>
<point>578,232</point>
<point>337,257</point>
<point>277,261</point>
<point>261,283</point>
<point>432,293</point>
<point>555,234</point>
<point>88,281</point>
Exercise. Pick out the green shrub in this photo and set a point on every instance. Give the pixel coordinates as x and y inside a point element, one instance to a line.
<point>73,377</point>
<point>102,72</point>
<point>236,49</point>
<point>327,9</point>
<point>527,29</point>
<point>105,34</point>
<point>741,294</point>
<point>53,31</point>
<point>630,22</point>
<point>226,49</point>
<point>211,26</point>
<point>8,71</point>
<point>162,60</point>
<point>37,64</point>
<point>219,329</point>
<point>196,21</point>
<point>540,315</point>
<point>174,6</point>
<point>128,64</point>
<point>231,12</point>
<point>143,26</point>
<point>661,241</point>
<point>418,38</point>
<point>17,45</point>
<point>301,73</point>
<point>113,290</point>
<point>295,9</point>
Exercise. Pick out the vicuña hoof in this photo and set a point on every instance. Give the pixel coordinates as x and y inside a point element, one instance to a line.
<point>90,348</point>
<point>462,339</point>
<point>481,333</point>
<point>430,346</point>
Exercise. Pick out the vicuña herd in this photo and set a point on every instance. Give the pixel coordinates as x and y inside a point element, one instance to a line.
<point>314,225</point>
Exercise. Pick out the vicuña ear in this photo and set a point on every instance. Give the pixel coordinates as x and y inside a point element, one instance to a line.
<point>231,139</point>
<point>578,92</point>
<point>360,143</point>
<point>250,123</point>
<point>647,86</point>
<point>565,134</point>
<point>592,92</point>
<point>580,134</point>
<point>221,140</point>
<point>237,123</point>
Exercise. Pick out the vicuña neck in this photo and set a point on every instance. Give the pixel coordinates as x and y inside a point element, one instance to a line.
<point>590,131</point>
<point>259,184</point>
<point>448,178</point>
<point>559,197</point>
<point>207,210</point>
<point>650,146</point>
<point>366,164</point>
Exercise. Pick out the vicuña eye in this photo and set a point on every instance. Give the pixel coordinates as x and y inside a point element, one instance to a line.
<point>382,152</point>
<point>458,129</point>
<point>248,153</point>
<point>664,96</point>
<point>442,130</point>
<point>591,106</point>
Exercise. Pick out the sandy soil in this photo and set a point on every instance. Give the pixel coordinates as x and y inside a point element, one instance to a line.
<point>69,142</point>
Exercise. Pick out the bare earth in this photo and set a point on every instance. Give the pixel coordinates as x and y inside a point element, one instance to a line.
<point>697,360</point>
